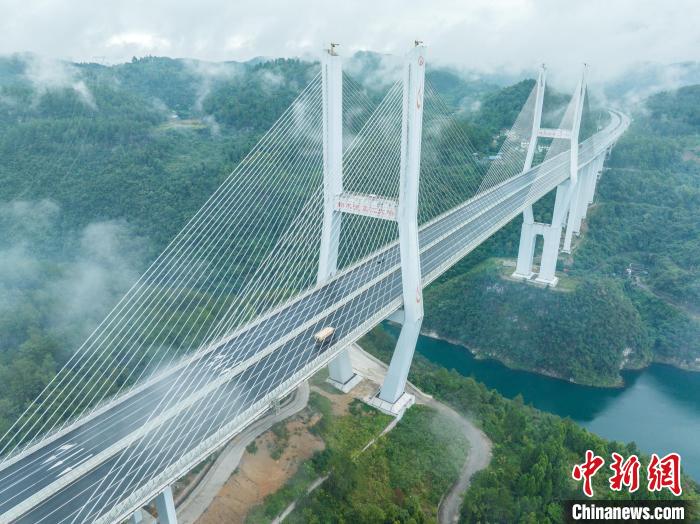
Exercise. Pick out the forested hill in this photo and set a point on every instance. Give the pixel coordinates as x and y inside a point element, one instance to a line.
<point>101,166</point>
<point>629,294</point>
<point>151,139</point>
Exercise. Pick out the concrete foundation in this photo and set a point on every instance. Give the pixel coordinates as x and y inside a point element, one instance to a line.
<point>347,386</point>
<point>395,409</point>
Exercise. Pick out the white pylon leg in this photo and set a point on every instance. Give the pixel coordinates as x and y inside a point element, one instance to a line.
<point>165,505</point>
<point>526,250</point>
<point>552,235</point>
<point>574,218</point>
<point>137,517</point>
<point>411,132</point>
<point>567,200</point>
<point>340,368</point>
<point>332,89</point>
<point>575,201</point>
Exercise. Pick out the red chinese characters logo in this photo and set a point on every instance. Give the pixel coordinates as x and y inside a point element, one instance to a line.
<point>665,473</point>
<point>661,473</point>
<point>625,473</point>
<point>586,471</point>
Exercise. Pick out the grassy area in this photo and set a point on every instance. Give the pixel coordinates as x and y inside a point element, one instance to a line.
<point>276,502</point>
<point>345,435</point>
<point>401,478</point>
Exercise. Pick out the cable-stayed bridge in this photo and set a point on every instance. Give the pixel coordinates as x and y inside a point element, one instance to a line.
<point>338,218</point>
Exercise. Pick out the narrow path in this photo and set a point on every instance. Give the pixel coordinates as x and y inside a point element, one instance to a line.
<point>226,463</point>
<point>478,458</point>
<point>479,454</point>
<point>280,518</point>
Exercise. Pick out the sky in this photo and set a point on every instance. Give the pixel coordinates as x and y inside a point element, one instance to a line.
<point>482,35</point>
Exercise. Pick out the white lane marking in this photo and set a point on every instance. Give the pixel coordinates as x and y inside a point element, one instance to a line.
<point>57,464</point>
<point>50,459</point>
<point>70,468</point>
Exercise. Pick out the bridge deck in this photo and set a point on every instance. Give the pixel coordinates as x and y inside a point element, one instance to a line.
<point>352,302</point>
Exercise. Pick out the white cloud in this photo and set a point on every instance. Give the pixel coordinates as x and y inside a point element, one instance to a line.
<point>144,41</point>
<point>479,34</point>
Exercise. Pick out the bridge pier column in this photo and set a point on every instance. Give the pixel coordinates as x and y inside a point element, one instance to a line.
<point>587,174</point>
<point>550,255</point>
<point>592,181</point>
<point>579,205</point>
<point>596,175</point>
<point>552,235</point>
<point>165,505</point>
<point>526,250</point>
<point>392,398</point>
<point>341,374</point>
<point>574,218</point>
<point>340,370</point>
<point>137,517</point>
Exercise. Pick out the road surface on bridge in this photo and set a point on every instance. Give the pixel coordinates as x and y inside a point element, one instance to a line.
<point>353,301</point>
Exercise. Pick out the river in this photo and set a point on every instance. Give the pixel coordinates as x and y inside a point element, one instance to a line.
<point>658,408</point>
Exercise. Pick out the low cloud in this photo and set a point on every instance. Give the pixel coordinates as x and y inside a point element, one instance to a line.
<point>208,74</point>
<point>46,74</point>
<point>76,282</point>
<point>140,41</point>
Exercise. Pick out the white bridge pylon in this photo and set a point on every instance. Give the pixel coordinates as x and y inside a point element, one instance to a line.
<point>404,211</point>
<point>572,196</point>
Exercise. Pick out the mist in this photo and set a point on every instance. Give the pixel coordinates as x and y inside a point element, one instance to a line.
<point>46,74</point>
<point>66,285</point>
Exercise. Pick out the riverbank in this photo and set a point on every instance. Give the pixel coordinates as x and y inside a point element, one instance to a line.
<point>481,354</point>
<point>589,335</point>
<point>534,451</point>
<point>652,400</point>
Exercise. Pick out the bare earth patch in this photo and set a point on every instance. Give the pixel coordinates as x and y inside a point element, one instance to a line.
<point>341,402</point>
<point>259,474</point>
